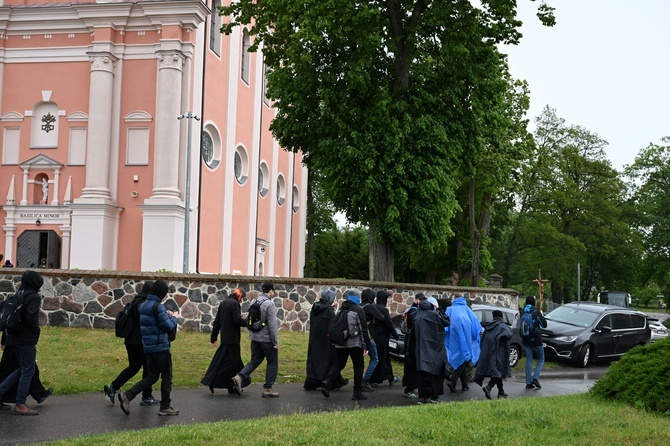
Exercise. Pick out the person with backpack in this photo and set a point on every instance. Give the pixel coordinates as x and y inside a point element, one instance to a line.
<point>227,361</point>
<point>355,346</point>
<point>264,345</point>
<point>382,331</point>
<point>532,323</point>
<point>155,324</point>
<point>136,358</point>
<point>494,358</point>
<point>23,337</point>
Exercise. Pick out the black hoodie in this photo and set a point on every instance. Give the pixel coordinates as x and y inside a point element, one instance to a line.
<point>29,333</point>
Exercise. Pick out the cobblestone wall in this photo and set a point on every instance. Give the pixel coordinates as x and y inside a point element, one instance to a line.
<point>91,299</point>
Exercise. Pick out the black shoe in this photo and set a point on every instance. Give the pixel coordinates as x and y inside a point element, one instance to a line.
<point>48,393</point>
<point>124,402</point>
<point>502,394</point>
<point>465,388</point>
<point>530,386</point>
<point>536,383</point>
<point>110,392</point>
<point>211,389</point>
<point>452,387</point>
<point>4,406</point>
<point>487,392</point>
<point>324,390</point>
<point>395,380</point>
<point>358,396</point>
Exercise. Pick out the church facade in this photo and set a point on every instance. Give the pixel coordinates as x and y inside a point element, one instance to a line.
<point>135,136</point>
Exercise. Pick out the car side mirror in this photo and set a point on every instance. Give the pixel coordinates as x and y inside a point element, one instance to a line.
<point>606,329</point>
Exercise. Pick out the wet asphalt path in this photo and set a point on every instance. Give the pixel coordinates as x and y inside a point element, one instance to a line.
<point>65,416</point>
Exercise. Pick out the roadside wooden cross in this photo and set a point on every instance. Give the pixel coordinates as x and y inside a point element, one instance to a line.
<point>540,283</point>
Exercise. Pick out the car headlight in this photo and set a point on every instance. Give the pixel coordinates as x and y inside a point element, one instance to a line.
<point>566,338</point>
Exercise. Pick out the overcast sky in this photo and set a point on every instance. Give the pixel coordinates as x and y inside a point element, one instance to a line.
<point>605,66</point>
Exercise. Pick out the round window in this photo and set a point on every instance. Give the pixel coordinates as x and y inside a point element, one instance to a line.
<point>241,165</point>
<point>207,149</point>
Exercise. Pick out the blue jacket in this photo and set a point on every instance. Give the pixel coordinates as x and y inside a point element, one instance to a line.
<point>155,329</point>
<point>462,336</point>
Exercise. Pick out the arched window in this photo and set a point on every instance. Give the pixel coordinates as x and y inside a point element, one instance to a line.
<point>296,199</point>
<point>281,190</point>
<point>241,165</point>
<point>263,179</point>
<point>246,56</point>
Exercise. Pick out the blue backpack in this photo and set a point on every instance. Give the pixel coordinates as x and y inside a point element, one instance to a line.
<point>527,329</point>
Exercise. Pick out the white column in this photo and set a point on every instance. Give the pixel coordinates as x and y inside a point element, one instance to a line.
<point>65,247</point>
<point>99,125</point>
<point>24,185</point>
<point>166,147</point>
<point>10,233</point>
<point>95,216</point>
<point>54,199</point>
<point>163,212</point>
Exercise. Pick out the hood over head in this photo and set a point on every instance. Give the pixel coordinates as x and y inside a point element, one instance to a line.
<point>159,289</point>
<point>382,297</point>
<point>368,296</point>
<point>30,280</point>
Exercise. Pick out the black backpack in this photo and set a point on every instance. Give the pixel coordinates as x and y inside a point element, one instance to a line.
<point>338,329</point>
<point>11,312</point>
<point>127,319</point>
<point>254,322</point>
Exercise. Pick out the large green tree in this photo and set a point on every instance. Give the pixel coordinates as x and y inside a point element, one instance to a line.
<point>570,208</point>
<point>383,97</point>
<point>650,174</point>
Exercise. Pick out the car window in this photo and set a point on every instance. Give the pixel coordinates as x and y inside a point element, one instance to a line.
<point>573,316</point>
<point>478,313</point>
<point>637,321</point>
<point>507,317</point>
<point>621,321</point>
<point>605,322</point>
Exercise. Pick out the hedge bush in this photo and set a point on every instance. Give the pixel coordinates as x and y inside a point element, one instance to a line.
<point>640,378</point>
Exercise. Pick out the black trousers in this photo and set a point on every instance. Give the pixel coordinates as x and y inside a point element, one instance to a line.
<point>342,355</point>
<point>158,365</point>
<point>384,369</point>
<point>136,360</point>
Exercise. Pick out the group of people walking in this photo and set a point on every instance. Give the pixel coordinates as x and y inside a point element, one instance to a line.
<point>441,346</point>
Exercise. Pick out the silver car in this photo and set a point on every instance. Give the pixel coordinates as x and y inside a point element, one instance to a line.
<point>658,330</point>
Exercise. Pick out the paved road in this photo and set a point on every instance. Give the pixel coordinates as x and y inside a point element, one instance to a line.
<point>65,416</point>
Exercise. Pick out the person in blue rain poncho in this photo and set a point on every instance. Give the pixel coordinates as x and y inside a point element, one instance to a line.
<point>461,339</point>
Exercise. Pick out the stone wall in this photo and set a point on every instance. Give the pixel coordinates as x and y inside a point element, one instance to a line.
<point>91,299</point>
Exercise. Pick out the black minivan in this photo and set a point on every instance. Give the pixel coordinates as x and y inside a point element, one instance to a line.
<point>586,331</point>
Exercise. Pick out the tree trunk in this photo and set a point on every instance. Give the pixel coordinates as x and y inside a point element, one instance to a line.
<point>475,235</point>
<point>381,258</point>
<point>477,228</point>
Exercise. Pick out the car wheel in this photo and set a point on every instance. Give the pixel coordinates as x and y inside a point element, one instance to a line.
<point>584,356</point>
<point>514,355</point>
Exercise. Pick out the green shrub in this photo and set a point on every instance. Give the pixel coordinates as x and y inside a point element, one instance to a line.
<point>640,378</point>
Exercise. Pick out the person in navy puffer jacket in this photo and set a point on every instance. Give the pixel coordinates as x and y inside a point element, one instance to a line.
<point>155,324</point>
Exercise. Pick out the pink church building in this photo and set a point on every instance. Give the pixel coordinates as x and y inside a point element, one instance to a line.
<point>135,137</point>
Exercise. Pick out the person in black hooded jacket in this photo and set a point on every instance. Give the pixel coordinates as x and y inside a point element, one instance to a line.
<point>494,357</point>
<point>227,361</point>
<point>136,357</point>
<point>382,331</point>
<point>24,340</point>
<point>320,352</point>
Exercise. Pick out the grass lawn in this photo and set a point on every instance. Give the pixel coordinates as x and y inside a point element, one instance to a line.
<point>83,360</point>
<point>565,420</point>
